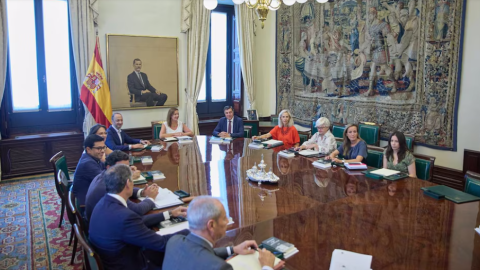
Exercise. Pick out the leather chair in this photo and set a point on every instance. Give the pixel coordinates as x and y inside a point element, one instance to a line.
<point>472,183</point>
<point>247,131</point>
<point>73,210</point>
<point>410,140</point>
<point>254,124</point>
<point>156,127</point>
<point>339,142</point>
<point>369,132</point>
<point>274,118</point>
<point>304,136</point>
<point>375,156</point>
<point>91,260</point>
<point>338,129</point>
<point>65,185</point>
<point>424,166</point>
<point>314,126</point>
<point>59,163</point>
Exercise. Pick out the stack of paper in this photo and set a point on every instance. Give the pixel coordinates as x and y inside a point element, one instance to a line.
<point>157,175</point>
<point>342,259</point>
<point>309,152</point>
<point>218,140</point>
<point>322,164</point>
<point>251,262</point>
<point>272,143</point>
<point>286,154</point>
<point>384,172</point>
<point>256,145</point>
<point>275,244</point>
<point>139,180</point>
<point>170,139</point>
<point>156,148</point>
<point>355,166</point>
<point>165,198</point>
<point>147,160</point>
<point>181,226</point>
<point>181,138</point>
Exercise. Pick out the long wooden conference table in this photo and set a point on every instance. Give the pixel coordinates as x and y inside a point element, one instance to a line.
<point>322,210</point>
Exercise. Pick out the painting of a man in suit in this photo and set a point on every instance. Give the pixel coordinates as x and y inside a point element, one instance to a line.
<point>140,88</point>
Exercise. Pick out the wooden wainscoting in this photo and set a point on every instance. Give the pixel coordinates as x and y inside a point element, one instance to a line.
<point>448,177</point>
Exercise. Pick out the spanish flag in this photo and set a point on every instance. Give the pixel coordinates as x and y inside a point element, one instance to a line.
<point>95,93</point>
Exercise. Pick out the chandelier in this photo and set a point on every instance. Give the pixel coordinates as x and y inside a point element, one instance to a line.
<point>261,6</point>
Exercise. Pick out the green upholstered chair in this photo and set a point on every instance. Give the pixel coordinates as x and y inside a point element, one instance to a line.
<point>339,142</point>
<point>254,124</point>
<point>304,136</point>
<point>247,131</point>
<point>370,133</point>
<point>472,183</point>
<point>274,118</point>
<point>410,140</point>
<point>156,127</point>
<point>314,126</point>
<point>338,129</point>
<point>424,166</point>
<point>59,163</point>
<point>374,157</point>
<point>91,260</point>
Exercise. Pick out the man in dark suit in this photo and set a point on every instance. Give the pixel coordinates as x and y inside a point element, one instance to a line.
<point>89,166</point>
<point>230,125</point>
<point>119,140</point>
<point>119,234</point>
<point>97,191</point>
<point>140,87</point>
<point>208,221</point>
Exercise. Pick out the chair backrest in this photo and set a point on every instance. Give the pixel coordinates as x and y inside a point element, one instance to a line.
<point>339,142</point>
<point>370,133</point>
<point>156,127</point>
<point>410,140</point>
<point>91,260</point>
<point>338,129</point>
<point>74,208</point>
<point>247,131</point>
<point>59,162</point>
<point>304,135</point>
<point>424,166</point>
<point>472,183</point>
<point>375,157</point>
<point>254,124</point>
<point>274,118</point>
<point>314,126</point>
<point>65,185</point>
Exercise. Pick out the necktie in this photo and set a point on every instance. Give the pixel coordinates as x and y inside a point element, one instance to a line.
<point>119,136</point>
<point>229,127</point>
<point>140,78</point>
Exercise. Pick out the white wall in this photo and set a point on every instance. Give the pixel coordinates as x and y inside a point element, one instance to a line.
<point>149,18</point>
<point>468,128</point>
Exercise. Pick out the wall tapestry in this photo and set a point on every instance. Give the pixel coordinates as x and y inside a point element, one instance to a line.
<point>392,62</point>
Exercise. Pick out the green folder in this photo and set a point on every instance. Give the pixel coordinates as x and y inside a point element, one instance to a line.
<point>451,194</point>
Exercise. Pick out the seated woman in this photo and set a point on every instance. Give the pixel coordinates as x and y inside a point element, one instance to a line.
<point>101,131</point>
<point>323,140</point>
<point>285,131</point>
<point>353,149</point>
<point>173,127</point>
<point>397,157</point>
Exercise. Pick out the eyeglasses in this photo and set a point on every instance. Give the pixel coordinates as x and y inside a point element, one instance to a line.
<point>99,148</point>
<point>322,127</point>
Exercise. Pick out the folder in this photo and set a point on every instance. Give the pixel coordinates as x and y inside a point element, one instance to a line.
<point>451,194</point>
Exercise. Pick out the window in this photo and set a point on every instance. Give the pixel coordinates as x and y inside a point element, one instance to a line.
<point>41,83</point>
<point>216,89</point>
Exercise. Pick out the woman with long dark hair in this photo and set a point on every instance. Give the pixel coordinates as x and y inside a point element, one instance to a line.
<point>397,156</point>
<point>174,127</point>
<point>353,149</point>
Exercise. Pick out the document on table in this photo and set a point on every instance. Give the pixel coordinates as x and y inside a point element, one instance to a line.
<point>384,172</point>
<point>250,262</point>
<point>181,226</point>
<point>165,198</point>
<point>347,260</point>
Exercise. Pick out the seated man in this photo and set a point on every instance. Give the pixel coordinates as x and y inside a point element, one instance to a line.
<point>140,87</point>
<point>97,191</point>
<point>208,221</point>
<point>88,167</point>
<point>119,234</point>
<point>230,125</point>
<point>119,140</point>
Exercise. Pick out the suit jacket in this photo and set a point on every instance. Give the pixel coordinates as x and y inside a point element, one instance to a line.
<point>135,85</point>
<point>192,252</point>
<point>113,141</point>
<point>97,191</point>
<point>237,129</point>
<point>119,234</point>
<point>87,169</point>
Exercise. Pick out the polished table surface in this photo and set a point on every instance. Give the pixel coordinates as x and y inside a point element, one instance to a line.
<point>322,210</point>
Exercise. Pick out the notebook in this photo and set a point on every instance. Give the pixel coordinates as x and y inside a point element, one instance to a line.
<point>309,153</point>
<point>165,198</point>
<point>251,262</point>
<point>449,193</point>
<point>344,260</point>
<point>384,172</point>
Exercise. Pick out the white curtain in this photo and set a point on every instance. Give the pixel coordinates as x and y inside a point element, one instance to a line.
<point>246,41</point>
<point>3,57</point>
<point>198,35</point>
<point>83,19</point>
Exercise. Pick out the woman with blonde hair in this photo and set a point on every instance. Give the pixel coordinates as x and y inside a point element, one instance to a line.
<point>353,149</point>
<point>174,127</point>
<point>284,131</point>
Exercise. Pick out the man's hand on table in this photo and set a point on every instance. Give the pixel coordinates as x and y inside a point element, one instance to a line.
<point>180,211</point>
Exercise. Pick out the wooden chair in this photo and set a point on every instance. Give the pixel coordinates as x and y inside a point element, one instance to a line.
<point>424,166</point>
<point>65,186</point>
<point>274,118</point>
<point>73,210</point>
<point>91,260</point>
<point>369,132</point>
<point>410,138</point>
<point>59,163</point>
<point>133,103</point>
<point>338,129</point>
<point>247,131</point>
<point>375,156</point>
<point>254,124</point>
<point>156,127</point>
<point>472,183</point>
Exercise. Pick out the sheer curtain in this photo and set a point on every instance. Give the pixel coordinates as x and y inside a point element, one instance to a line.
<point>3,57</point>
<point>196,23</point>
<point>246,42</point>
<point>83,19</point>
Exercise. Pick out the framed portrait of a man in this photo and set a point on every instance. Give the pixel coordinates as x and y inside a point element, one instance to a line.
<point>252,115</point>
<point>142,71</point>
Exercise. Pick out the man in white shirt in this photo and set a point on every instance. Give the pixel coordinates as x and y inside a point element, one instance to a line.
<point>322,141</point>
<point>208,222</point>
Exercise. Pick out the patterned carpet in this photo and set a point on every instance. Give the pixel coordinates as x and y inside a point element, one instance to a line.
<point>29,233</point>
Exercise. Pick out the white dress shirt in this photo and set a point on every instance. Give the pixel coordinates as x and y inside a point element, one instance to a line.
<point>166,215</point>
<point>326,143</point>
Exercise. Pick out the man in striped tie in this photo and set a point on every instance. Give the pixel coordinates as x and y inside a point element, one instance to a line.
<point>141,89</point>
<point>230,125</point>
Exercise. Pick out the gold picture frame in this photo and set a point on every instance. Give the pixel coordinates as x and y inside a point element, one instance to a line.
<point>159,59</point>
